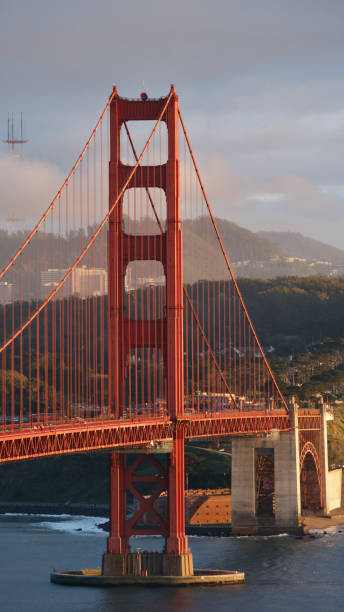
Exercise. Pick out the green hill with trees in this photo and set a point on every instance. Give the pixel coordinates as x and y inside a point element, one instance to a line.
<point>299,321</point>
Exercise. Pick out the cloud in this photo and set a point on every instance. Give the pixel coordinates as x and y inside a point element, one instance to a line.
<point>260,86</point>
<point>27,188</point>
<point>266,198</point>
<point>286,202</point>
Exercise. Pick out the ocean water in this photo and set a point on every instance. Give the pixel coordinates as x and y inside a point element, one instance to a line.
<point>282,573</point>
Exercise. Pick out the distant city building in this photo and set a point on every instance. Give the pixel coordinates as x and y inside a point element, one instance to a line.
<point>84,282</point>
<point>87,282</point>
<point>91,282</point>
<point>50,278</point>
<point>133,281</point>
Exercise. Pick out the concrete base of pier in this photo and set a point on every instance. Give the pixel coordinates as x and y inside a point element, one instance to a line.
<point>147,568</point>
<point>285,513</point>
<point>90,577</point>
<point>147,564</point>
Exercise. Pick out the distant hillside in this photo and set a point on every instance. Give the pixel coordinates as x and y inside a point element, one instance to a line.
<point>198,236</point>
<point>297,245</point>
<point>257,255</point>
<point>241,245</point>
<point>263,255</point>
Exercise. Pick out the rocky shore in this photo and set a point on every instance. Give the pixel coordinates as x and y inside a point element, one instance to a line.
<point>54,508</point>
<point>323,523</point>
<point>310,523</point>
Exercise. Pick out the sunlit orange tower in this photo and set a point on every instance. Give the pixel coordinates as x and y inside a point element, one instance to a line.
<point>166,333</point>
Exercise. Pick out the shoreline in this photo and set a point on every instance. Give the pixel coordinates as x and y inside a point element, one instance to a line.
<point>97,510</point>
<point>310,523</point>
<point>74,509</point>
<point>322,523</point>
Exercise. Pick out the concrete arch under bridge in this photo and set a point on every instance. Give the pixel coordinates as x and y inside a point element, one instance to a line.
<point>310,478</point>
<point>281,475</point>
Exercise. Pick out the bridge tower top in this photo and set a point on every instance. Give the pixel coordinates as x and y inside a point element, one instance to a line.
<point>164,334</point>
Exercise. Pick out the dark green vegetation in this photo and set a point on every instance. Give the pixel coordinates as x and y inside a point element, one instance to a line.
<point>301,318</point>
<point>208,468</point>
<point>336,437</point>
<point>84,478</point>
<point>298,320</point>
<point>75,478</point>
<point>293,313</point>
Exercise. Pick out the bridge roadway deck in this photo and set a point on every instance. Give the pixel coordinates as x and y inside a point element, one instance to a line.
<point>66,438</point>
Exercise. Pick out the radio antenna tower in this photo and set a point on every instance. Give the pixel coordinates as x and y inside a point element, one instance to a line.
<point>12,141</point>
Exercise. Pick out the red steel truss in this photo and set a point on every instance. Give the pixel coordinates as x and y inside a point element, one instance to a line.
<point>109,435</point>
<point>81,438</point>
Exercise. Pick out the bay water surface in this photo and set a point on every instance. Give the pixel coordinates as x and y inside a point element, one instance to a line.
<point>282,573</point>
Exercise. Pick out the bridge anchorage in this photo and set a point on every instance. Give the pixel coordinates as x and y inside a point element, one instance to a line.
<point>182,359</point>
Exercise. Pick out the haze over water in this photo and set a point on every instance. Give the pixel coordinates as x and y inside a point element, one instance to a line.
<point>282,573</point>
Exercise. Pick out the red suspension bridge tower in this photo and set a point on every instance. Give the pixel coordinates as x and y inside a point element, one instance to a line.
<point>165,333</point>
<point>63,391</point>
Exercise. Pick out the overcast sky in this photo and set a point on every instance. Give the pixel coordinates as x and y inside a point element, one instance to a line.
<point>260,85</point>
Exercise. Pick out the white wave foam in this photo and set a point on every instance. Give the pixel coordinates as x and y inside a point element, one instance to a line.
<point>35,515</point>
<point>332,530</point>
<point>80,524</point>
<point>262,537</point>
<point>67,523</point>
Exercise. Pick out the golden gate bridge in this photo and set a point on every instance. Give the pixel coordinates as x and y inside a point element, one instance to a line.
<point>125,327</point>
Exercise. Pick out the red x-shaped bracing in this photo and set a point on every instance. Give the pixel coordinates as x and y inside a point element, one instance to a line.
<point>146,504</point>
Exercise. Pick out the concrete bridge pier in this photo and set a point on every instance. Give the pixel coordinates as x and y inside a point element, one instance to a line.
<point>266,494</point>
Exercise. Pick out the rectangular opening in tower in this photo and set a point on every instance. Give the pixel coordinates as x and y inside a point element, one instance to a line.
<point>144,210</point>
<point>135,134</point>
<point>265,482</point>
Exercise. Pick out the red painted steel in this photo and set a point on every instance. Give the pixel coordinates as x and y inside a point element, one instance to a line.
<point>126,334</point>
<point>108,435</point>
<point>118,542</point>
<point>111,434</point>
<point>124,248</point>
<point>145,502</point>
<point>54,358</point>
<point>176,541</point>
<point>182,361</point>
